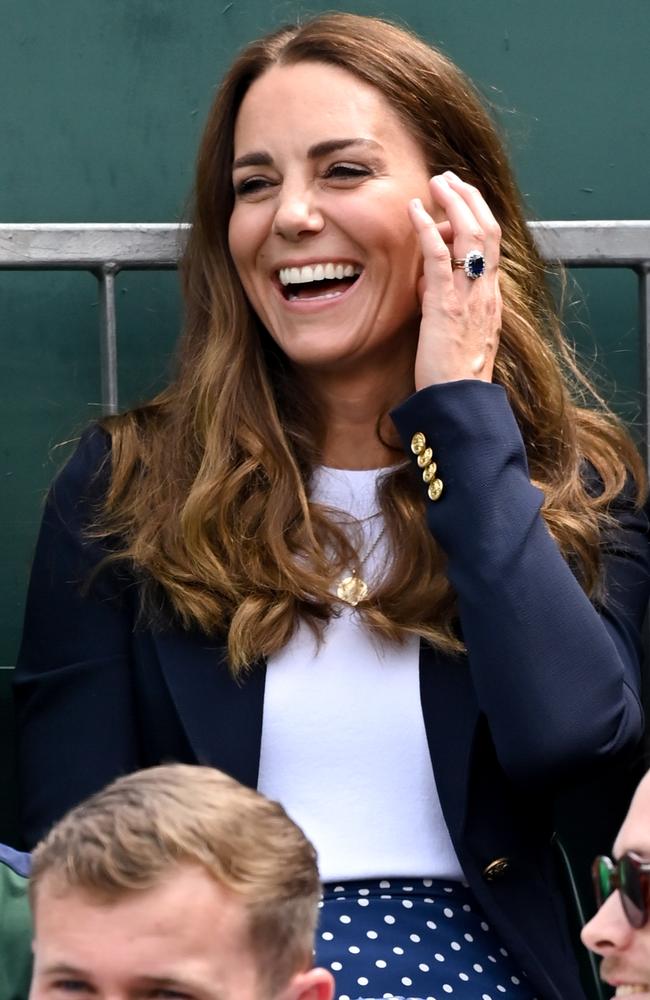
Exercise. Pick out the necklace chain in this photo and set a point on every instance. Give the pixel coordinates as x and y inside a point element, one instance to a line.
<point>361,520</point>
<point>352,588</point>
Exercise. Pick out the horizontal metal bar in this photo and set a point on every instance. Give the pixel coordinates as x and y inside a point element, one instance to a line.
<point>605,243</point>
<point>136,246</point>
<point>88,247</point>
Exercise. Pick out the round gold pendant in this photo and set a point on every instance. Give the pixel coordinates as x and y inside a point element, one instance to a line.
<point>352,589</point>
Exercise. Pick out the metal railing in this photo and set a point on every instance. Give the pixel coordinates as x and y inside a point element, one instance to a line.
<point>106,249</point>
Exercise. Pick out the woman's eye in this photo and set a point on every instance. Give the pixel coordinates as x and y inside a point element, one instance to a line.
<point>347,171</point>
<point>71,986</point>
<point>252,185</point>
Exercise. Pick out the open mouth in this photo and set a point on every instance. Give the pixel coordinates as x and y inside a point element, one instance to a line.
<point>317,281</point>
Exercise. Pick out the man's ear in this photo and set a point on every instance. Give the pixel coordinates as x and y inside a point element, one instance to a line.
<point>315,984</point>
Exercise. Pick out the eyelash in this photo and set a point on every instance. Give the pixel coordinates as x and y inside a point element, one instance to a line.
<point>251,185</point>
<point>347,170</point>
<point>340,171</point>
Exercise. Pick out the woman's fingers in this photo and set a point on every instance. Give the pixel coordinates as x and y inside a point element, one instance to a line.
<point>481,211</point>
<point>473,224</point>
<point>461,318</point>
<point>437,234</point>
<point>435,249</point>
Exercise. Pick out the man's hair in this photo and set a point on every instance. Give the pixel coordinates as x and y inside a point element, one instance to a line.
<point>131,835</point>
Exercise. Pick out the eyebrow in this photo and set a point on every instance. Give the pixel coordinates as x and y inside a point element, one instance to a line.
<point>61,968</point>
<point>161,982</point>
<point>180,985</point>
<point>262,159</point>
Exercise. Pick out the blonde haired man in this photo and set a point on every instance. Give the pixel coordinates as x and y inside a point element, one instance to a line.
<point>176,882</point>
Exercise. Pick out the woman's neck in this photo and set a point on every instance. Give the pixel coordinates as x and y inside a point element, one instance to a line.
<point>357,431</point>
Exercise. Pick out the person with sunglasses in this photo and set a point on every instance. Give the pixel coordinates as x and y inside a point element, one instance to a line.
<point>620,930</point>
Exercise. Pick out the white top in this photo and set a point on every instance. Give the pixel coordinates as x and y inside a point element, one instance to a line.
<point>343,741</point>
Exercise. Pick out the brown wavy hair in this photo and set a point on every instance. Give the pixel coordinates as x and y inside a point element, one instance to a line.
<point>209,493</point>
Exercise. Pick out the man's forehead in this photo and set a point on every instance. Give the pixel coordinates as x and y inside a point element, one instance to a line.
<point>185,935</point>
<point>187,906</point>
<point>634,834</point>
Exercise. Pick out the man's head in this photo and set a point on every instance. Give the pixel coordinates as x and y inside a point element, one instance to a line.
<point>612,933</point>
<point>176,882</point>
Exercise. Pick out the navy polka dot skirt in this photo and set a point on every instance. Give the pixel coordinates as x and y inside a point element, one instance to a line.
<point>413,938</point>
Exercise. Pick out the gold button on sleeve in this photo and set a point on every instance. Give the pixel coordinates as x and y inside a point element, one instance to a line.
<point>435,489</point>
<point>418,443</point>
<point>425,457</point>
<point>430,472</point>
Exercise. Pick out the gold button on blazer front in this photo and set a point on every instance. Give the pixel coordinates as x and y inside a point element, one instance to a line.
<point>495,869</point>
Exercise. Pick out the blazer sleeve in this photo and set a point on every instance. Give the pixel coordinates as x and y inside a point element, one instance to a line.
<point>73,685</point>
<point>557,678</point>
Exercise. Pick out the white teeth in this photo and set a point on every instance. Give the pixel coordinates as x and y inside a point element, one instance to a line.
<point>317,272</point>
<point>630,989</point>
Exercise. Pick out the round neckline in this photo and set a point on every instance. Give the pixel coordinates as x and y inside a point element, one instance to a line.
<point>351,490</point>
<point>330,469</point>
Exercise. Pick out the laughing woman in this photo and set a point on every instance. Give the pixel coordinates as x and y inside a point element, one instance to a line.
<point>371,551</point>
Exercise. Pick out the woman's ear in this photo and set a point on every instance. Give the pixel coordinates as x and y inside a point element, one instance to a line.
<point>315,984</point>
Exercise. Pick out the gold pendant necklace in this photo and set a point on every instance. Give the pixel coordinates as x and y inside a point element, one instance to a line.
<point>353,588</point>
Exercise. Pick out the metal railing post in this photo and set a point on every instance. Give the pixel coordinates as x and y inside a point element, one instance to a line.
<point>108,336</point>
<point>644,325</point>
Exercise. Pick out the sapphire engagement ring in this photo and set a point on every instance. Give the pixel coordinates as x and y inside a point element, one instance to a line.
<point>473,264</point>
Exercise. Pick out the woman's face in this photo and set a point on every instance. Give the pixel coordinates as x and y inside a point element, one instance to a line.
<point>320,235</point>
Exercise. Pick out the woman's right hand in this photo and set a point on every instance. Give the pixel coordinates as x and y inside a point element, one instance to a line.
<point>461,317</point>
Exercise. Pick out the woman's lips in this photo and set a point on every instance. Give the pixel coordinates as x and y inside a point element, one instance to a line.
<point>315,294</point>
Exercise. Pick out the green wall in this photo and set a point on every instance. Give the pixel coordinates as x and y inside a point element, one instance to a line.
<point>101,107</point>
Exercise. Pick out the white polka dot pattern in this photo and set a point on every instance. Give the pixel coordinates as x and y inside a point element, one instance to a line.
<point>421,939</point>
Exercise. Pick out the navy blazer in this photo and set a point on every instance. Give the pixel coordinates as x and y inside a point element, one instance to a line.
<point>548,690</point>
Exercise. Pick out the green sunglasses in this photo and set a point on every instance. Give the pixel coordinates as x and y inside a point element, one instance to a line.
<point>631,876</point>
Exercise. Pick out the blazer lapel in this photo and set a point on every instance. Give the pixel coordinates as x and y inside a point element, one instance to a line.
<point>222,718</point>
<point>450,717</point>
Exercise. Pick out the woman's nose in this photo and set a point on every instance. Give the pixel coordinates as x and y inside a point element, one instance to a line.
<point>297,214</point>
<point>609,930</point>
